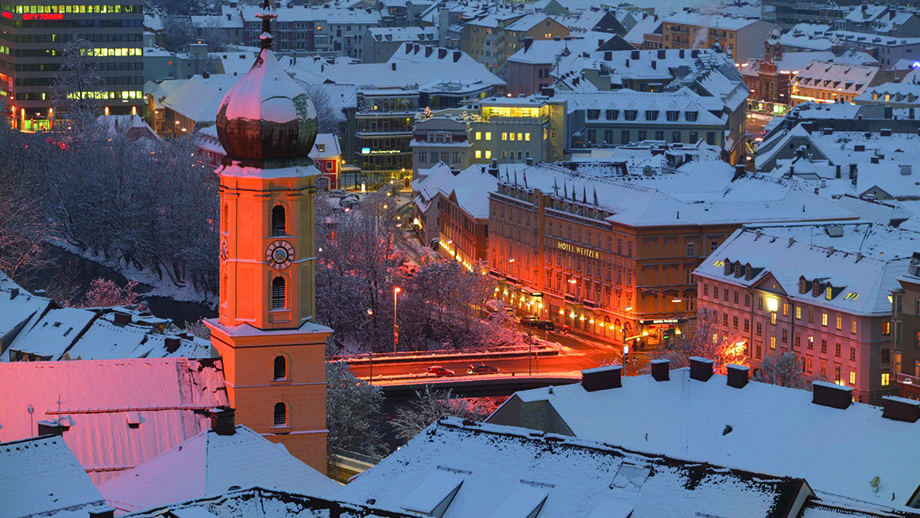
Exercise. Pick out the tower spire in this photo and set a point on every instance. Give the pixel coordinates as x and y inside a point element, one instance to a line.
<point>267,17</point>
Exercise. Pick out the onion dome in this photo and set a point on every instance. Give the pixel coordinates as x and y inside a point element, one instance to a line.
<point>266,115</point>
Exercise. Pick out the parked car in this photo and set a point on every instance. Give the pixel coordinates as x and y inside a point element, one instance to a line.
<point>439,371</point>
<point>530,320</point>
<point>337,193</point>
<point>481,368</point>
<point>546,324</point>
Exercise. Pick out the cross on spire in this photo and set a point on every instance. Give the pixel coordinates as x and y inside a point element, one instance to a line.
<point>266,17</point>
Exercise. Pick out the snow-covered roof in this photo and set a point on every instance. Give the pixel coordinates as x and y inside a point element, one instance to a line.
<point>527,22</point>
<point>326,146</point>
<point>403,34</point>
<point>681,101</point>
<point>710,21</point>
<point>471,188</point>
<point>17,306</point>
<point>839,77</point>
<point>328,13</point>
<point>899,93</point>
<point>749,199</point>
<point>793,62</point>
<point>199,98</point>
<point>862,259</point>
<point>234,63</point>
<point>461,469</point>
<point>266,503</point>
<point>431,180</point>
<point>208,465</point>
<point>648,24</point>
<point>40,476</point>
<point>167,396</point>
<point>760,427</point>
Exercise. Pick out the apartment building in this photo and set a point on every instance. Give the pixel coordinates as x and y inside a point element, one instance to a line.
<point>33,36</point>
<point>740,37</point>
<point>829,82</point>
<point>533,26</point>
<point>485,38</point>
<point>820,290</point>
<point>905,338</point>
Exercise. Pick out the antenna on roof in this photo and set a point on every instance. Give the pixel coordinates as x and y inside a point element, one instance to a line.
<point>266,17</point>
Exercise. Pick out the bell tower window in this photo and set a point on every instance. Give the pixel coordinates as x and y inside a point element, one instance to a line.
<point>280,414</point>
<point>280,368</point>
<point>278,293</point>
<point>278,226</point>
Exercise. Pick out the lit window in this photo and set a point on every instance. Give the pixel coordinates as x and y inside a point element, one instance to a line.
<point>527,137</point>
<point>504,136</point>
<point>823,319</point>
<point>853,378</point>
<point>488,153</point>
<point>839,323</point>
<point>478,135</point>
<point>886,379</point>
<point>798,313</point>
<point>853,326</point>
<point>828,293</point>
<point>478,153</point>
<point>886,328</point>
<point>488,135</point>
<point>773,318</point>
<point>772,342</point>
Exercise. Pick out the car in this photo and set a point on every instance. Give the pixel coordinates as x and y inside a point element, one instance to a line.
<point>337,193</point>
<point>530,320</point>
<point>547,325</point>
<point>439,371</point>
<point>481,368</point>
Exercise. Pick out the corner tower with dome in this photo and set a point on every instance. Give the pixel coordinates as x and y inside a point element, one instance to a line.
<point>273,350</point>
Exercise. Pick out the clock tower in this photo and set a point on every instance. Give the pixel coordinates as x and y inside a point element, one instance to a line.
<point>273,350</point>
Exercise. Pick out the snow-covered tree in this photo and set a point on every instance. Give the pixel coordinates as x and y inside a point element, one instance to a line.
<point>105,293</point>
<point>198,328</point>
<point>352,406</point>
<point>178,32</point>
<point>782,369</point>
<point>326,118</point>
<point>704,339</point>
<point>77,85</point>
<point>428,406</point>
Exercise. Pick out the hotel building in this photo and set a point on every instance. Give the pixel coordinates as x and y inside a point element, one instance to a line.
<point>611,253</point>
<point>31,44</point>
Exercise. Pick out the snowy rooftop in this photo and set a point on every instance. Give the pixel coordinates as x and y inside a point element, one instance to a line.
<point>265,503</point>
<point>842,77</point>
<point>471,189</point>
<point>208,465</point>
<point>328,13</point>
<point>100,400</point>
<point>325,146</point>
<point>682,101</point>
<point>41,476</point>
<point>773,430</point>
<point>459,469</point>
<point>713,22</point>
<point>17,306</point>
<point>715,200</point>
<point>199,98</point>
<point>861,260</point>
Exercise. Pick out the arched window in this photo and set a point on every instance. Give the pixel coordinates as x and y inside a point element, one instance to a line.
<point>278,293</point>
<point>280,368</point>
<point>278,226</point>
<point>280,414</point>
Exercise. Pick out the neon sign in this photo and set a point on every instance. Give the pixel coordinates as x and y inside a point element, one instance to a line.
<point>42,16</point>
<point>7,14</point>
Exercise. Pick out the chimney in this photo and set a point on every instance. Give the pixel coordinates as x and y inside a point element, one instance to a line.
<point>14,292</point>
<point>442,53</point>
<point>831,395</point>
<point>906,169</point>
<point>661,370</point>
<point>527,43</point>
<point>739,172</point>
<point>172,344</point>
<point>122,319</point>
<point>101,511</point>
<point>55,427</point>
<point>529,160</point>
<point>900,409</point>
<point>885,132</point>
<point>457,55</point>
<point>700,368</point>
<point>393,65</point>
<point>737,375</point>
<point>223,420</point>
<point>600,378</point>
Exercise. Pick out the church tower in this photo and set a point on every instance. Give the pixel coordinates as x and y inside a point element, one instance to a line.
<point>273,350</point>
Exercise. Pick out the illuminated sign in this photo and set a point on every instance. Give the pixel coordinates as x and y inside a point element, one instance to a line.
<point>7,14</point>
<point>43,17</point>
<point>365,151</point>
<point>594,254</point>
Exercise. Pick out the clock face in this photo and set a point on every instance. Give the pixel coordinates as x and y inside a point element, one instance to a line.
<point>279,254</point>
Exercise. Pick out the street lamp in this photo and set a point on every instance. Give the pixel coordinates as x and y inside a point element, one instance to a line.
<point>396,291</point>
<point>370,350</point>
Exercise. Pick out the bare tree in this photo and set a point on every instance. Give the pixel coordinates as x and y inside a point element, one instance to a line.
<point>77,86</point>
<point>782,369</point>
<point>213,33</point>
<point>105,293</point>
<point>352,406</point>
<point>428,406</point>
<point>326,117</point>
<point>704,340</point>
<point>178,32</point>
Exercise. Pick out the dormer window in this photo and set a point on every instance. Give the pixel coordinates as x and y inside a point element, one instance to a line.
<point>651,115</point>
<point>728,267</point>
<point>593,115</point>
<point>828,292</point>
<point>673,115</point>
<point>738,270</point>
<point>613,115</point>
<point>803,285</point>
<point>690,116</point>
<point>815,288</point>
<point>631,114</point>
<point>748,272</point>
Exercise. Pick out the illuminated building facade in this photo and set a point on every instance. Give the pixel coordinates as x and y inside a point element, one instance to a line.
<point>31,41</point>
<point>822,291</point>
<point>384,123</point>
<point>905,337</point>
